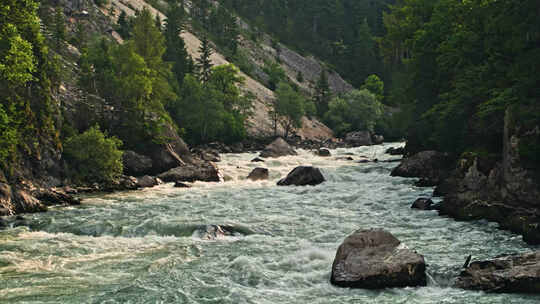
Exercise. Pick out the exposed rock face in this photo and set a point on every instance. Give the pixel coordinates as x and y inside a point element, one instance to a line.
<point>122,183</point>
<point>258,174</point>
<point>510,274</point>
<point>374,259</point>
<point>302,176</point>
<point>277,148</point>
<point>206,172</point>
<point>431,166</point>
<point>24,202</point>
<point>136,164</point>
<point>423,204</point>
<point>359,138</point>
<point>323,152</point>
<point>504,191</point>
<point>170,155</point>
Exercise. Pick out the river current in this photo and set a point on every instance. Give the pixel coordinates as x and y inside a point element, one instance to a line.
<point>149,246</point>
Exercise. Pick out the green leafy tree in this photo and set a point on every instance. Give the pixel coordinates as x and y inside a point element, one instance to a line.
<point>289,106</point>
<point>356,110</point>
<point>93,156</point>
<point>275,73</point>
<point>375,85</point>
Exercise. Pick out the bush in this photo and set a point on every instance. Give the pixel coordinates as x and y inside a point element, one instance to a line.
<point>93,157</point>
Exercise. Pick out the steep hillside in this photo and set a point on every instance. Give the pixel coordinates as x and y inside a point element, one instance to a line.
<point>260,123</point>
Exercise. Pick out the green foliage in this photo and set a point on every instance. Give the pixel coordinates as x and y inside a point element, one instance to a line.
<point>356,110</point>
<point>275,74</point>
<point>124,25</point>
<point>300,76</point>
<point>93,156</point>
<point>322,94</point>
<point>27,76</point>
<point>175,47</point>
<point>204,63</point>
<point>340,32</point>
<point>289,107</point>
<point>9,142</point>
<point>101,3</point>
<point>465,63</point>
<point>375,85</point>
<point>59,32</point>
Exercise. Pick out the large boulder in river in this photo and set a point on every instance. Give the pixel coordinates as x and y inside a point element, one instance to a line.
<point>258,174</point>
<point>302,176</point>
<point>374,259</point>
<point>277,148</point>
<point>517,274</point>
<point>205,172</point>
<point>136,164</point>
<point>358,138</point>
<point>431,166</point>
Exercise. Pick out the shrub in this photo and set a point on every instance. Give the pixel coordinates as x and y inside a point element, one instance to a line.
<point>93,157</point>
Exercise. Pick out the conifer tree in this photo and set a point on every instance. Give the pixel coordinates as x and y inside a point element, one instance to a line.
<point>175,46</point>
<point>204,63</point>
<point>59,32</point>
<point>322,95</point>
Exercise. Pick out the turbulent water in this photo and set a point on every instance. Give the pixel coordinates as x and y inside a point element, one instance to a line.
<point>150,247</point>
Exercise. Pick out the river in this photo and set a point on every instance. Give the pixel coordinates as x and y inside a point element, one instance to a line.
<point>148,246</point>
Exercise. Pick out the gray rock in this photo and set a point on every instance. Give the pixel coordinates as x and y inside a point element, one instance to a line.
<point>323,152</point>
<point>423,204</point>
<point>206,172</point>
<point>147,181</point>
<point>432,166</point>
<point>136,164</point>
<point>172,154</point>
<point>378,139</point>
<point>258,174</point>
<point>302,176</point>
<point>508,274</point>
<point>395,151</point>
<point>277,148</point>
<point>257,160</point>
<point>52,197</point>
<point>358,138</point>
<point>374,259</point>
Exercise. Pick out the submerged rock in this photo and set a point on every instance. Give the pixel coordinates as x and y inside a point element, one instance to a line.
<point>302,176</point>
<point>423,204</point>
<point>277,148</point>
<point>374,259</point>
<point>213,232</point>
<point>395,151</point>
<point>508,274</point>
<point>258,174</point>
<point>257,160</point>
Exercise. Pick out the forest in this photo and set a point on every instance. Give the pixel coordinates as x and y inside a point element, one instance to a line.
<point>449,69</point>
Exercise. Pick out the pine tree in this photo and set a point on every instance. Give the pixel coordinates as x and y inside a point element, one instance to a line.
<point>322,95</point>
<point>59,32</point>
<point>204,63</point>
<point>175,47</point>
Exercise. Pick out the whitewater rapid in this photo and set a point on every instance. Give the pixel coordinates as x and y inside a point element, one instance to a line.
<point>147,247</point>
